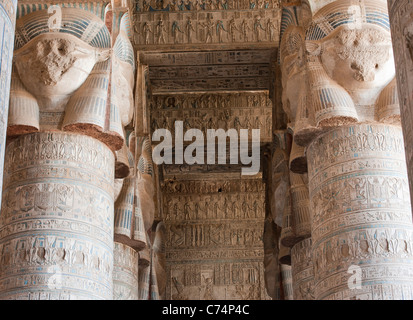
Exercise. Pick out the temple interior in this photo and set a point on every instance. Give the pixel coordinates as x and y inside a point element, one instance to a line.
<point>206,149</point>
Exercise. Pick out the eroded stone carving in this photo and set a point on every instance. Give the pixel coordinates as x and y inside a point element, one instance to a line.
<point>213,239</point>
<point>347,65</point>
<point>65,80</point>
<point>212,27</point>
<point>125,273</point>
<point>303,270</point>
<point>56,239</point>
<point>356,182</point>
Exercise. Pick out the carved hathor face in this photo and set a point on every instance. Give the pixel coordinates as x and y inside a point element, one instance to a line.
<point>55,64</point>
<point>360,60</point>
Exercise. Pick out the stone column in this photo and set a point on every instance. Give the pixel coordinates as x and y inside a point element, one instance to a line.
<point>287,282</point>
<point>125,273</point>
<point>401,23</point>
<point>302,270</point>
<point>56,234</point>
<point>144,274</point>
<point>361,214</point>
<point>7,24</point>
<point>347,118</point>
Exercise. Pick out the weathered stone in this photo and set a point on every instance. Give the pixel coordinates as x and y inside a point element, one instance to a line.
<point>56,234</point>
<point>302,270</point>
<point>361,213</point>
<point>125,273</point>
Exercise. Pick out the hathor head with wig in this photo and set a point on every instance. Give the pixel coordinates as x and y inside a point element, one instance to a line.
<point>354,44</point>
<point>67,70</point>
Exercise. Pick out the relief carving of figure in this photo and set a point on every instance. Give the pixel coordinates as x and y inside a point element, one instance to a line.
<point>232,27</point>
<point>258,28</point>
<point>209,29</point>
<point>189,29</point>
<point>160,31</point>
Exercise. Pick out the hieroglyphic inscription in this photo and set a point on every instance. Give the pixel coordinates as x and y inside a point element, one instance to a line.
<point>186,29</point>
<point>302,270</point>
<point>140,6</point>
<point>214,247</point>
<point>361,212</point>
<point>56,239</point>
<point>125,272</point>
<point>213,111</point>
<point>401,22</point>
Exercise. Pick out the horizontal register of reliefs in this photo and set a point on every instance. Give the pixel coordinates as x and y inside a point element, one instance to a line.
<point>302,270</point>
<point>56,239</point>
<point>214,111</point>
<point>253,77</point>
<point>217,187</point>
<point>198,29</point>
<point>204,58</point>
<point>140,6</point>
<point>214,247</point>
<point>125,272</point>
<point>361,213</point>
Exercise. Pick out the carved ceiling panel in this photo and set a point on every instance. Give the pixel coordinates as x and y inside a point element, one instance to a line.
<point>233,70</point>
<point>214,247</point>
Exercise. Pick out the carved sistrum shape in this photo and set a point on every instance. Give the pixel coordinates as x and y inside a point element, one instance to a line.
<point>129,223</point>
<point>349,69</point>
<point>159,258</point>
<point>145,182</point>
<point>357,52</point>
<point>69,80</point>
<point>300,205</point>
<point>271,254</point>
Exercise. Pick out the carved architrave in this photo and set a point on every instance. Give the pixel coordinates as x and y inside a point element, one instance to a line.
<point>141,6</point>
<point>197,29</point>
